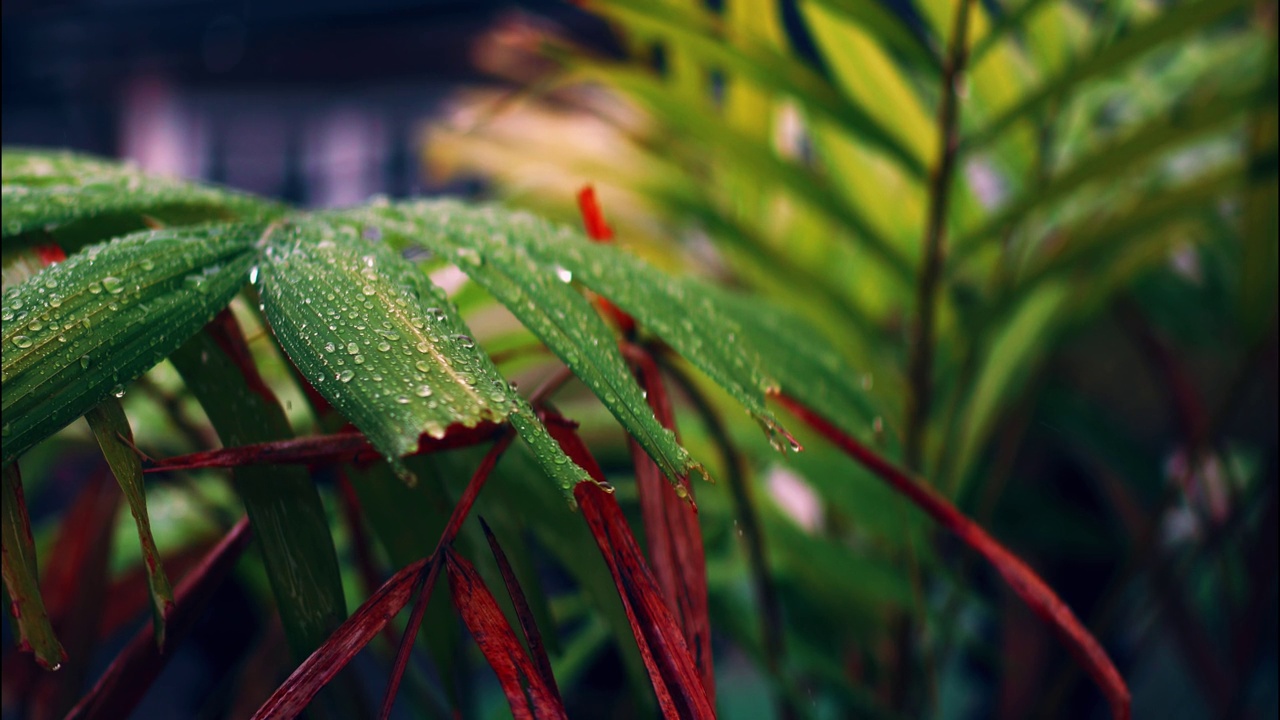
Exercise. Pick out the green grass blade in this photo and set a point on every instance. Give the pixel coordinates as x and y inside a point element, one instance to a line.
<point>19,570</point>
<point>44,191</point>
<point>79,329</point>
<point>289,521</point>
<point>1182,20</point>
<point>542,297</point>
<point>111,428</point>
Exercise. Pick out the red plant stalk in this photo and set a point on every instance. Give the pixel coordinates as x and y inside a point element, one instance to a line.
<point>671,527</point>
<point>129,676</point>
<point>321,450</point>
<point>527,623</point>
<point>599,230</point>
<point>1021,578</point>
<point>301,687</point>
<point>525,686</point>
<point>428,579</point>
<point>672,670</point>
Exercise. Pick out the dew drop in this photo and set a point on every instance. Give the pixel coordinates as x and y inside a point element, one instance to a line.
<point>402,400</point>
<point>423,366</point>
<point>564,274</point>
<point>113,285</point>
<point>346,375</point>
<point>353,349</point>
<point>6,315</point>
<point>84,362</point>
<point>464,341</point>
<point>369,290</point>
<point>424,391</point>
<point>384,346</point>
<point>22,341</point>
<point>359,359</point>
<point>118,391</point>
<point>330,347</point>
<point>147,264</point>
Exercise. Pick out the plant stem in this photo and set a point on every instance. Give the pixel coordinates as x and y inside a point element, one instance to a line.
<point>920,353</point>
<point>920,363</point>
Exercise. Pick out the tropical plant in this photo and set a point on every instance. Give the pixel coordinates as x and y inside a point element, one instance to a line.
<point>967,198</point>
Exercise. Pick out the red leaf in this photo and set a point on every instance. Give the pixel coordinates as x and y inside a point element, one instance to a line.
<point>671,528</point>
<point>592,217</point>
<point>1024,581</point>
<point>291,698</point>
<point>523,612</point>
<point>120,688</point>
<point>321,450</point>
<point>599,230</point>
<point>50,253</point>
<point>526,688</point>
<point>674,675</point>
<point>460,512</point>
<point>72,584</point>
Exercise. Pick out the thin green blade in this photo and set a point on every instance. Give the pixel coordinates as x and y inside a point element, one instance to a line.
<point>19,570</point>
<point>111,428</point>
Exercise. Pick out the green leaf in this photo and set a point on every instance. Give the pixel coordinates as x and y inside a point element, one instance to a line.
<point>1170,129</point>
<point>44,191</point>
<point>695,32</point>
<point>691,322</point>
<point>284,507</point>
<point>111,428</point>
<point>19,569</point>
<point>379,341</point>
<point>106,315</point>
<point>886,26</point>
<point>385,346</point>
<point>1184,19</point>
<point>697,121</point>
<point>542,297</point>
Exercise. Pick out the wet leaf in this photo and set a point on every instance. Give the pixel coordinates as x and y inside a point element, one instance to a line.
<point>79,331</point>
<point>541,295</point>
<point>44,191</point>
<point>376,338</point>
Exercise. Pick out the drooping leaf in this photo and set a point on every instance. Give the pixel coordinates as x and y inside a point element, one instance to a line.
<point>384,345</point>
<point>45,191</point>
<point>672,670</point>
<point>18,551</point>
<point>1020,578</point>
<point>524,613</point>
<point>127,679</point>
<point>283,504</point>
<point>526,688</point>
<point>79,329</point>
<point>673,533</point>
<point>543,298</point>
<point>111,428</point>
<point>692,323</point>
<point>302,686</point>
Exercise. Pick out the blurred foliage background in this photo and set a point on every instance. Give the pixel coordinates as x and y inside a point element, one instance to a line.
<point>1101,382</point>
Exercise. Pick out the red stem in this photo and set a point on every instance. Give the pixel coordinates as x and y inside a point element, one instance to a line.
<point>1024,581</point>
